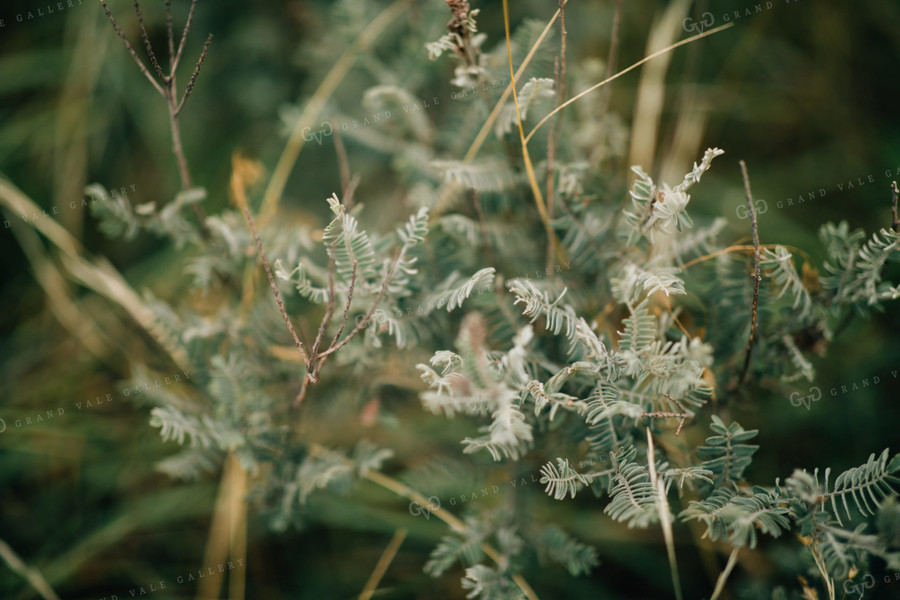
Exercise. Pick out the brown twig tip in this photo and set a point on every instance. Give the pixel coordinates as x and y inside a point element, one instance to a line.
<point>170,37</point>
<point>184,33</point>
<point>146,38</point>
<point>756,275</point>
<point>131,50</point>
<point>895,193</point>
<point>190,85</point>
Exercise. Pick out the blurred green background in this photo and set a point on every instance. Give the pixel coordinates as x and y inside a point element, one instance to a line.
<point>805,92</point>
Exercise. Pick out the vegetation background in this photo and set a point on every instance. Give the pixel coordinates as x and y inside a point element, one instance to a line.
<point>805,92</point>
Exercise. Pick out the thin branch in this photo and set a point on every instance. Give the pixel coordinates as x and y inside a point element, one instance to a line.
<point>684,414</point>
<point>170,37</point>
<point>362,323</point>
<point>187,28</point>
<point>275,292</point>
<point>756,276</point>
<point>895,223</point>
<point>32,575</point>
<point>329,308</point>
<point>190,85</point>
<point>146,38</point>
<point>562,50</point>
<point>346,307</point>
<point>132,51</point>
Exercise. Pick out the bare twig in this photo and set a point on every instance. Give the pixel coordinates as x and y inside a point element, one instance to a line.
<point>684,414</point>
<point>329,308</point>
<point>895,223</point>
<point>362,323</point>
<point>346,307</point>
<point>562,50</point>
<point>132,51</point>
<point>170,37</point>
<point>146,38</point>
<point>190,85</point>
<point>756,276</point>
<point>187,28</point>
<point>274,288</point>
<point>275,292</point>
<point>166,87</point>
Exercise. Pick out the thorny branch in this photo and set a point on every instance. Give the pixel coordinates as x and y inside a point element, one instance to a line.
<point>895,223</point>
<point>316,358</point>
<point>756,276</point>
<point>684,414</point>
<point>166,85</point>
<point>272,286</point>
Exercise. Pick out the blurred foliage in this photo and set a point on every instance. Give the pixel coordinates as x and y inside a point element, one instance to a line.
<point>804,92</point>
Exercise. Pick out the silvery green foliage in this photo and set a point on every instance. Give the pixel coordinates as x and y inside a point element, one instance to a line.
<point>615,387</point>
<point>545,366</point>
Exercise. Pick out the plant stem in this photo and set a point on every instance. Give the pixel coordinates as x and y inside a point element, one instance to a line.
<point>723,576</point>
<point>756,276</point>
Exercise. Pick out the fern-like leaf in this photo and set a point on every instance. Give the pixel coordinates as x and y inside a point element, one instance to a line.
<point>736,519</point>
<point>562,480</point>
<point>538,303</point>
<point>726,454</point>
<point>634,498</point>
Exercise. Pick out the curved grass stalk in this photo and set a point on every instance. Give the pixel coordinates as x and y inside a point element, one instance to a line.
<point>622,72</point>
<point>316,103</point>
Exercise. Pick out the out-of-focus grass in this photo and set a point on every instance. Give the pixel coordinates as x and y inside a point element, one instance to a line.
<point>804,92</point>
